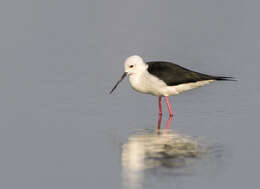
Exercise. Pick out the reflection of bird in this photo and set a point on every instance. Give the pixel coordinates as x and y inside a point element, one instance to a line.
<point>152,150</point>
<point>163,78</point>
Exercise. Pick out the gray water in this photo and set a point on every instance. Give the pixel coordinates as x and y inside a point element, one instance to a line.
<point>59,127</point>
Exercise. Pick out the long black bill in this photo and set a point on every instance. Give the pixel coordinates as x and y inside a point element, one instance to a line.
<point>122,77</point>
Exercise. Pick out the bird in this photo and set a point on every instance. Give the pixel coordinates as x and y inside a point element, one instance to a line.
<point>163,79</point>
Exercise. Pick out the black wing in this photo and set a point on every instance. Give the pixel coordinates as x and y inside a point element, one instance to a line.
<point>173,74</point>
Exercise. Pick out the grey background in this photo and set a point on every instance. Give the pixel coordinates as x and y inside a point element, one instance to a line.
<point>59,128</point>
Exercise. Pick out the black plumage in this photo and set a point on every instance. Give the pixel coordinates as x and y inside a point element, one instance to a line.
<point>173,74</point>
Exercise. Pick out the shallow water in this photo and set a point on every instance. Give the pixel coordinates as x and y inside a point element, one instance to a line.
<point>60,128</point>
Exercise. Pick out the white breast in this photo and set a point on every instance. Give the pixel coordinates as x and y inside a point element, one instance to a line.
<point>147,83</point>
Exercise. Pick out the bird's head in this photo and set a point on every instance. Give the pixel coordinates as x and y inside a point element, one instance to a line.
<point>133,65</point>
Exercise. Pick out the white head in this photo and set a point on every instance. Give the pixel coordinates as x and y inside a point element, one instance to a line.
<point>134,64</point>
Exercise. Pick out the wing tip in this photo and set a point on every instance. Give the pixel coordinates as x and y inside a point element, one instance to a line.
<point>225,78</point>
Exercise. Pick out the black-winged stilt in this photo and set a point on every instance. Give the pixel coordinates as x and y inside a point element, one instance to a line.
<point>163,79</point>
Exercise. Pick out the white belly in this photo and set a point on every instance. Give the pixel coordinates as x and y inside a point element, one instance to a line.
<point>147,83</point>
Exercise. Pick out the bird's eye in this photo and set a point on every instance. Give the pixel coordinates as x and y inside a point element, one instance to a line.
<point>131,66</point>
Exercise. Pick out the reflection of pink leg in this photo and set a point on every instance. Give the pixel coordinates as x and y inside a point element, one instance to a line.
<point>169,106</point>
<point>159,122</point>
<point>169,122</point>
<point>160,105</point>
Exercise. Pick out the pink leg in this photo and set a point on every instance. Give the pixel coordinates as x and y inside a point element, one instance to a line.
<point>159,122</point>
<point>169,106</point>
<point>160,105</point>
